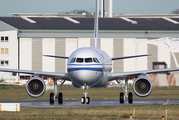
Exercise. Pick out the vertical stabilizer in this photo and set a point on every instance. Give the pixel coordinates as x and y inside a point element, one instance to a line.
<point>96,24</point>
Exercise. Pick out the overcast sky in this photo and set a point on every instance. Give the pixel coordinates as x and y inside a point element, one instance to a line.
<point>55,6</point>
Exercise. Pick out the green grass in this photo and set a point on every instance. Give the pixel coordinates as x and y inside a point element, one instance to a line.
<point>69,92</point>
<point>122,112</point>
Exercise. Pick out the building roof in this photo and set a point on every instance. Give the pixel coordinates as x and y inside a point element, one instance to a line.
<point>75,23</point>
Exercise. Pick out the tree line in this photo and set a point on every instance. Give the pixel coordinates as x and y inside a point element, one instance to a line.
<point>80,11</point>
<point>175,11</point>
<point>77,11</point>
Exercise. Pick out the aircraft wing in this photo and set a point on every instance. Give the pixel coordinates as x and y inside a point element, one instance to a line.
<point>118,75</point>
<point>59,75</point>
<point>64,57</point>
<point>126,57</point>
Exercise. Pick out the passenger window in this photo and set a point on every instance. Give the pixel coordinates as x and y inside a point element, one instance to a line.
<point>79,60</point>
<point>88,60</point>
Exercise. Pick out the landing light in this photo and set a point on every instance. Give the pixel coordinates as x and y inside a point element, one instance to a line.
<point>84,87</point>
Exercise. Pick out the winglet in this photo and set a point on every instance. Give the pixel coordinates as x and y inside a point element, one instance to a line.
<point>96,25</point>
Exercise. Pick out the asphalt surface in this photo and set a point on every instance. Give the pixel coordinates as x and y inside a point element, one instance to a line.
<point>93,103</point>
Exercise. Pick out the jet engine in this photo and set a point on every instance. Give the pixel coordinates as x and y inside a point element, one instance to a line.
<point>35,87</point>
<point>142,86</point>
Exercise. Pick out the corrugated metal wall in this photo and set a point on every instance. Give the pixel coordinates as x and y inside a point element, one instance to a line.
<point>154,58</point>
<point>92,43</point>
<point>59,51</point>
<point>118,52</point>
<point>173,65</point>
<point>65,46</point>
<point>37,54</point>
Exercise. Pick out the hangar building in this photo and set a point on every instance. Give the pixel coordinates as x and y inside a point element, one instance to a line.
<point>25,38</point>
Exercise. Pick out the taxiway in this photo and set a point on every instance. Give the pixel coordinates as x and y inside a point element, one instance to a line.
<point>94,103</point>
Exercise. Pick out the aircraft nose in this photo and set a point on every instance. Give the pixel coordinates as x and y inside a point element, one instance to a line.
<point>86,77</point>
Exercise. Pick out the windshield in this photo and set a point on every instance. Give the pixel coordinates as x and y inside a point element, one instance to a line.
<point>95,60</point>
<point>88,60</point>
<point>79,60</point>
<point>72,60</point>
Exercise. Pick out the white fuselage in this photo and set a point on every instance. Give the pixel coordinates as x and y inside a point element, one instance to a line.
<point>89,66</point>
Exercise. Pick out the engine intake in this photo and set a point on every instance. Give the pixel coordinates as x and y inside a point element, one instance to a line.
<point>142,86</point>
<point>35,87</point>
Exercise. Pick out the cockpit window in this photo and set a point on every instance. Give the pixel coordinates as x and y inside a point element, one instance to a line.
<point>87,60</point>
<point>72,60</point>
<point>95,60</point>
<point>79,60</point>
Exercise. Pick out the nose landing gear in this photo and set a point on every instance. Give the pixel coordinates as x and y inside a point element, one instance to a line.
<point>85,99</point>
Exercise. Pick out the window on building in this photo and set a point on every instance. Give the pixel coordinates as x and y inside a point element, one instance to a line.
<point>6,39</point>
<point>159,65</point>
<point>6,50</point>
<point>2,50</point>
<point>2,39</point>
<point>4,62</point>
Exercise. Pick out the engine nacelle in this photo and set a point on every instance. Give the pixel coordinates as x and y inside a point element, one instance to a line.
<point>35,87</point>
<point>142,86</point>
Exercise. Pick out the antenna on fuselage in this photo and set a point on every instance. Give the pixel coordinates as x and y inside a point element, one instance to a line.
<point>96,25</point>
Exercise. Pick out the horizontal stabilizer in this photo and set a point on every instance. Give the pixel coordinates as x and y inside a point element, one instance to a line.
<point>118,58</point>
<point>56,56</point>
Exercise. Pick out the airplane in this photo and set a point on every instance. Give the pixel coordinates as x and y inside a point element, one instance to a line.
<point>90,68</point>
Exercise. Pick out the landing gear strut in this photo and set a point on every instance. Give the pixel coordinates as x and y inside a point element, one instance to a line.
<point>122,96</point>
<point>60,95</point>
<point>85,99</point>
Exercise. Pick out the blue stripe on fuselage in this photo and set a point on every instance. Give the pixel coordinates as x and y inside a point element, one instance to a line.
<point>90,69</point>
<point>84,64</point>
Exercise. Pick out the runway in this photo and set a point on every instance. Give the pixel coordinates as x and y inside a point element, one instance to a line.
<point>93,103</point>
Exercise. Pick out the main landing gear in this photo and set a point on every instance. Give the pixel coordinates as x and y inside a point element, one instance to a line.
<point>122,96</point>
<point>60,95</point>
<point>85,99</point>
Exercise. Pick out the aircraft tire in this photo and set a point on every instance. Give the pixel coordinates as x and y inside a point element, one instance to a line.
<point>60,98</point>
<point>87,100</point>
<point>121,97</point>
<point>83,100</point>
<point>51,98</point>
<point>130,98</point>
